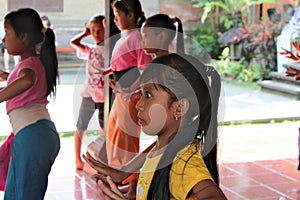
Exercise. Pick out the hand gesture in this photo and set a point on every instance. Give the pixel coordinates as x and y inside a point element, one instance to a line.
<point>110,190</point>
<point>293,73</point>
<point>87,30</point>
<point>290,55</point>
<point>104,170</point>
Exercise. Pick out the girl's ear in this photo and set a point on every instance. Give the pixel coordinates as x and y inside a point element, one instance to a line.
<point>131,16</point>
<point>24,37</point>
<point>104,23</point>
<point>181,107</point>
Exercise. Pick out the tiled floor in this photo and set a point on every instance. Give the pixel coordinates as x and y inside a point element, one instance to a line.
<point>257,162</point>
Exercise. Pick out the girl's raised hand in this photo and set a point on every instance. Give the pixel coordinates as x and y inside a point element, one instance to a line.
<point>87,30</point>
<point>110,190</point>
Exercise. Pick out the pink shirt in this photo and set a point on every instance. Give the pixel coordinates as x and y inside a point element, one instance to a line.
<point>128,52</point>
<point>37,94</point>
<point>94,86</point>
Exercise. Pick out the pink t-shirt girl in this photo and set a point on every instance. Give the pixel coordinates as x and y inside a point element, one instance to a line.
<point>128,52</point>
<point>94,86</point>
<point>37,94</point>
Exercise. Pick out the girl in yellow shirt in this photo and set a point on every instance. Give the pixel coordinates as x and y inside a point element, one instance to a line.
<point>175,105</point>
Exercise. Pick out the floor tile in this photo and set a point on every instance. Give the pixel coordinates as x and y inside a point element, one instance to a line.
<point>252,166</point>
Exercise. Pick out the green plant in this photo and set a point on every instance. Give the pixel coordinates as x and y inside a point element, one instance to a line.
<point>258,44</point>
<point>204,39</point>
<point>225,11</point>
<point>236,70</point>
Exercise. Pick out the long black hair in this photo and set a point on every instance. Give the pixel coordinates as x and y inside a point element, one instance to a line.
<point>133,6</point>
<point>167,24</point>
<point>27,20</point>
<point>184,76</point>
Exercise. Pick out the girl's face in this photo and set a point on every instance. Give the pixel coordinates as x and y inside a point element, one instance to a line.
<point>12,42</point>
<point>45,23</point>
<point>97,31</point>
<point>121,19</point>
<point>150,40</point>
<point>155,115</point>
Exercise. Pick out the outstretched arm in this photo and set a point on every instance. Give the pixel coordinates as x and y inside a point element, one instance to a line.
<point>117,175</point>
<point>25,80</point>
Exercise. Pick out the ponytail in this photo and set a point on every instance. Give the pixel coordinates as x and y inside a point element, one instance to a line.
<point>141,20</point>
<point>180,42</point>
<point>48,57</point>
<point>27,20</point>
<point>211,137</point>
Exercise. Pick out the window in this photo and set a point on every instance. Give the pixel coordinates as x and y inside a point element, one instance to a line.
<point>39,5</point>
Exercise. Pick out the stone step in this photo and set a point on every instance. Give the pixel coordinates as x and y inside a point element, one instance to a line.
<point>283,88</point>
<point>281,77</point>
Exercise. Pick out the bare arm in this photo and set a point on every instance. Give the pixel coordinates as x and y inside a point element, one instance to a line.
<point>107,72</point>
<point>76,40</point>
<point>25,80</point>
<point>207,189</point>
<point>117,175</point>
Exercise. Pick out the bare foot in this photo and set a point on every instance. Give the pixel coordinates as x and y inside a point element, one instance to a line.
<point>79,165</point>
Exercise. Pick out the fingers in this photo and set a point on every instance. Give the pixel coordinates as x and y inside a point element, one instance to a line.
<point>103,170</point>
<point>98,177</point>
<point>97,165</point>
<point>96,162</point>
<point>108,192</point>
<point>114,187</point>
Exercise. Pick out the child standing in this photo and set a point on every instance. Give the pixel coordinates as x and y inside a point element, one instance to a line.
<point>123,133</point>
<point>176,106</point>
<point>36,142</point>
<point>158,32</point>
<point>93,93</point>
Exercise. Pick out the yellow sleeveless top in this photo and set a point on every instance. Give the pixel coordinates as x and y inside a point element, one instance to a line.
<point>146,176</point>
<point>187,170</point>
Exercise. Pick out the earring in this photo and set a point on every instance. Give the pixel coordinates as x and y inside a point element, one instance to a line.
<point>176,118</point>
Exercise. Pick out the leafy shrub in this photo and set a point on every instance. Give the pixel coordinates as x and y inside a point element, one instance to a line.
<point>204,39</point>
<point>236,70</point>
